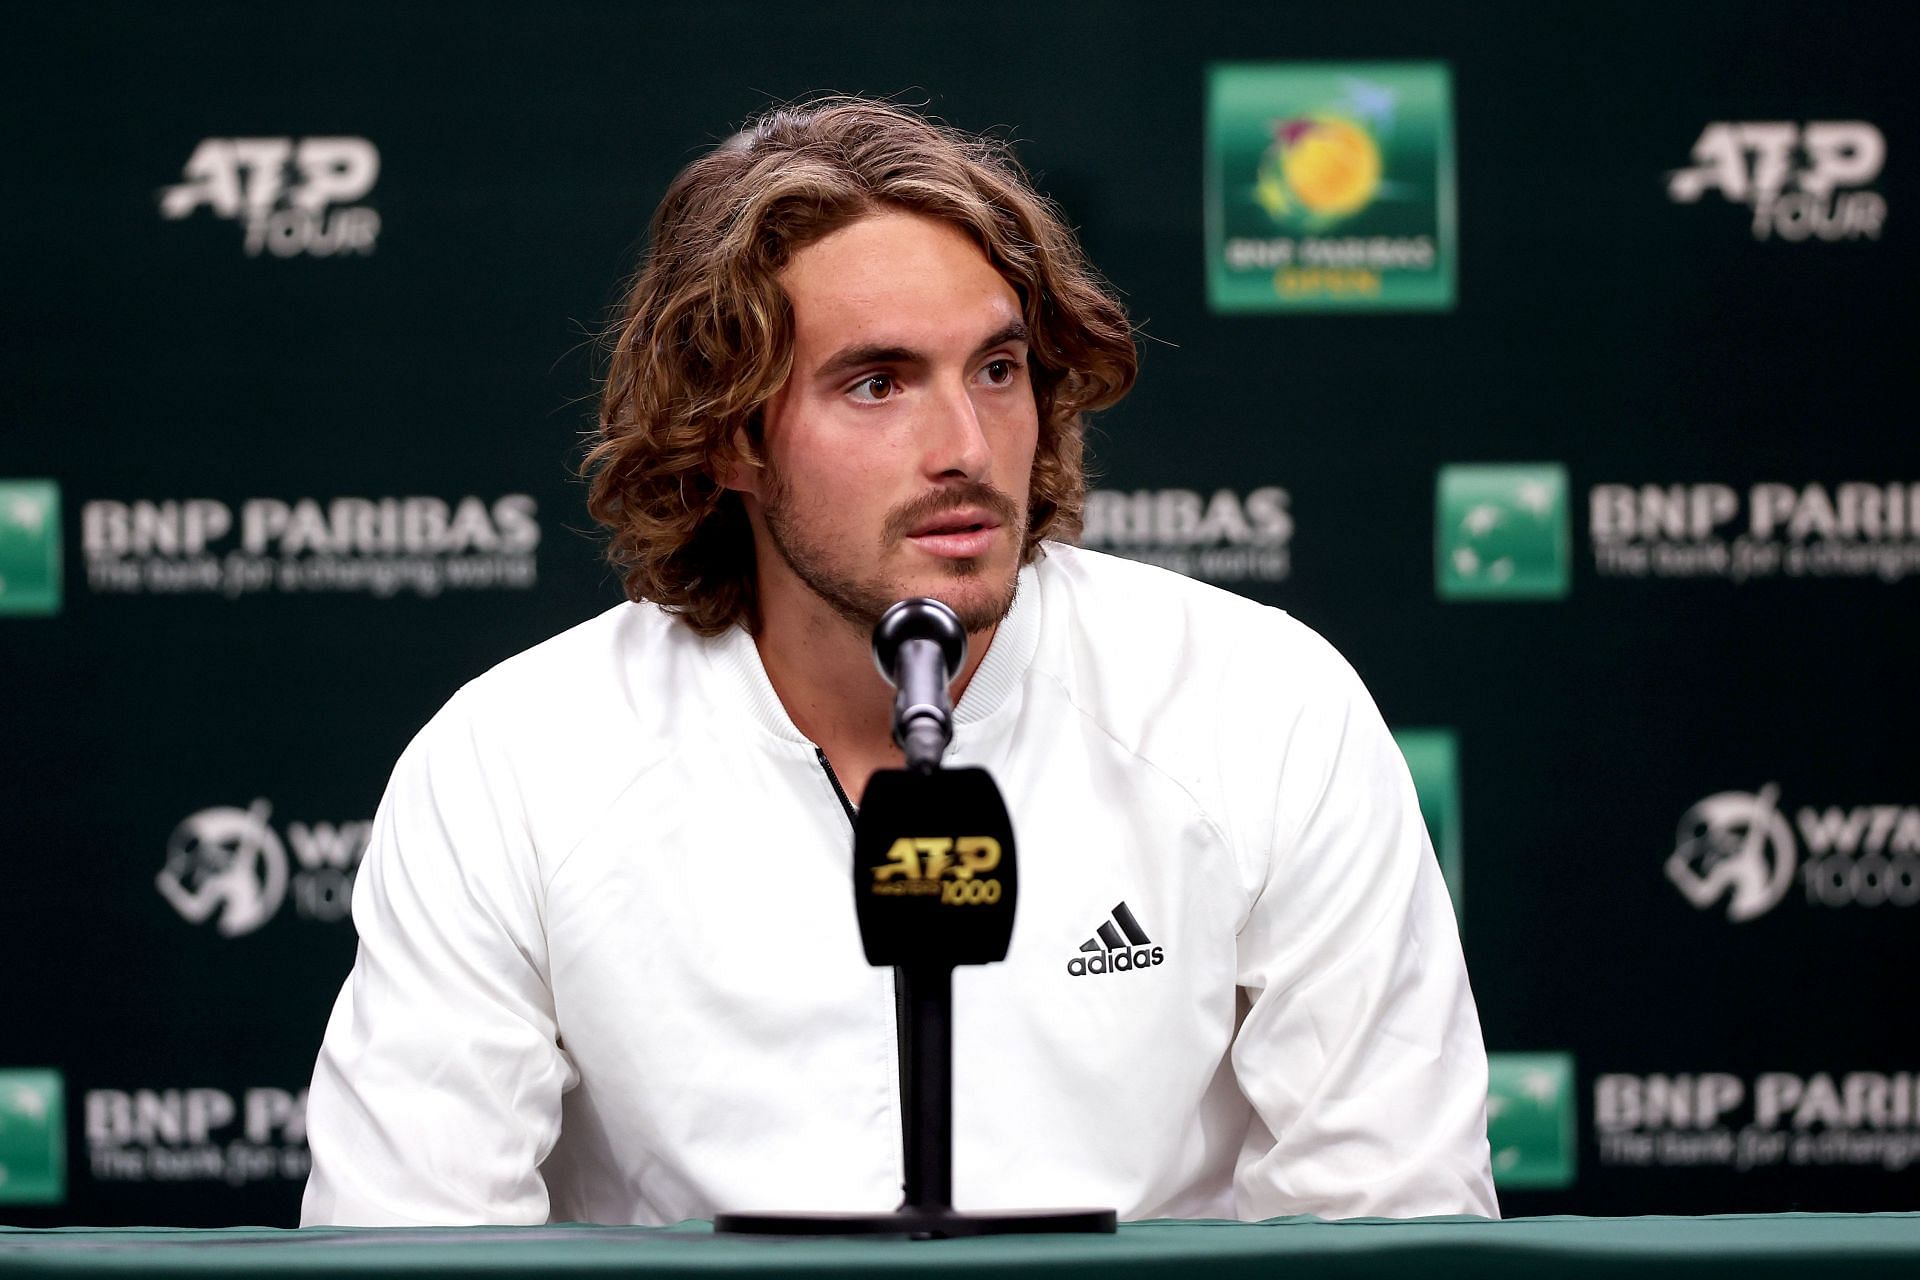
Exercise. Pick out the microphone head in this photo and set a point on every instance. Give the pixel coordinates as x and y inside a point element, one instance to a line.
<point>918,618</point>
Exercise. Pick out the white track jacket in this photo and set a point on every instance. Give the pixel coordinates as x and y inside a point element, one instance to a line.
<point>609,969</point>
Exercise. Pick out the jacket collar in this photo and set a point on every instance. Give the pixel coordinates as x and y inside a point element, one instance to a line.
<point>736,659</point>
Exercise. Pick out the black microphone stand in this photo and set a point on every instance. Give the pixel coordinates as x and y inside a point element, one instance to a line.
<point>926,1060</point>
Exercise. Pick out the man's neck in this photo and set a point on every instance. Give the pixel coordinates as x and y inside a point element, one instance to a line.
<point>821,666</point>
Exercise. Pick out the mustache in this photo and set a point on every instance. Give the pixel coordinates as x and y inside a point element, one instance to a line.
<point>903,519</point>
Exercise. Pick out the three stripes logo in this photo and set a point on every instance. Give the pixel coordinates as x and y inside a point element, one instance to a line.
<point>1117,946</point>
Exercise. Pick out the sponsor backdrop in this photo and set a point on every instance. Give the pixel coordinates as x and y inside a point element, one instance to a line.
<point>1547,360</point>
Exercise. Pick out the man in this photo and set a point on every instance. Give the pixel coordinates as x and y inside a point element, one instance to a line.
<point>609,969</point>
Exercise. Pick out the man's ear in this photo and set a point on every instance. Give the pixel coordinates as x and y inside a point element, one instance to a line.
<point>736,464</point>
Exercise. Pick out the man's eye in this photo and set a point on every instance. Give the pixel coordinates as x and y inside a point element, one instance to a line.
<point>1000,372</point>
<point>873,389</point>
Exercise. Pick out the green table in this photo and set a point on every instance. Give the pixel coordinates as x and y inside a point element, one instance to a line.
<point>1747,1247</point>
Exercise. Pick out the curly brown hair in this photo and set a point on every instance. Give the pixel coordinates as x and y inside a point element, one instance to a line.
<point>706,336</point>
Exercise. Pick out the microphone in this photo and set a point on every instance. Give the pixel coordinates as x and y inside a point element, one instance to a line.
<point>935,876</point>
<point>919,646</point>
<point>935,880</point>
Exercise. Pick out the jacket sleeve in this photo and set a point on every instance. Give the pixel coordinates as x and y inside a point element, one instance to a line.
<point>1360,1047</point>
<point>437,1092</point>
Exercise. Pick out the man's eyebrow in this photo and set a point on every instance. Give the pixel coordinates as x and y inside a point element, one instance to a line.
<point>850,358</point>
<point>867,354</point>
<point>1013,331</point>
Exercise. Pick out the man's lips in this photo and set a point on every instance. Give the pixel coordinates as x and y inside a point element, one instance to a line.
<point>956,534</point>
<point>965,520</point>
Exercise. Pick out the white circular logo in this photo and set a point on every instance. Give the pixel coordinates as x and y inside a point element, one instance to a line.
<point>226,860</point>
<point>1734,843</point>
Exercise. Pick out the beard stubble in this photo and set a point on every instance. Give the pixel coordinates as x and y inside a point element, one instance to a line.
<point>861,601</point>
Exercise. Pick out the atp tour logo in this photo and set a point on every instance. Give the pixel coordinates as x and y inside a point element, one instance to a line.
<point>1801,181</point>
<point>291,197</point>
<point>954,870</point>
<point>231,867</point>
<point>1739,846</point>
<point>1222,538</point>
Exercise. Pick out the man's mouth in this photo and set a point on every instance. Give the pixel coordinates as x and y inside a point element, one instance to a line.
<point>956,535</point>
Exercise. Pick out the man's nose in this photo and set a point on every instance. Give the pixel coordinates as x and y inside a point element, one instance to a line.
<point>956,441</point>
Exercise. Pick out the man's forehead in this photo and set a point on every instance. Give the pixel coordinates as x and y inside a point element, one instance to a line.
<point>896,279</point>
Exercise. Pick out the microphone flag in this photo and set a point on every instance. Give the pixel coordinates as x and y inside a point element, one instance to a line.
<point>935,877</point>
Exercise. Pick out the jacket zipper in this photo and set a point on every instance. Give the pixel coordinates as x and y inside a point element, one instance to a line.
<point>839,791</point>
<point>899,990</point>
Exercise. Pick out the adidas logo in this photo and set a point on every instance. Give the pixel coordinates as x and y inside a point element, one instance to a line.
<point>1118,945</point>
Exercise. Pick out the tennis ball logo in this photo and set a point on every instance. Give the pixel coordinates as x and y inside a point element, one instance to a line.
<point>1324,165</point>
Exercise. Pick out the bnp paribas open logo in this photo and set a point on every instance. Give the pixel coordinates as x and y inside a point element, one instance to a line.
<point>1330,187</point>
<point>1501,532</point>
<point>1531,1121</point>
<point>1433,758</point>
<point>29,547</point>
<point>33,1137</point>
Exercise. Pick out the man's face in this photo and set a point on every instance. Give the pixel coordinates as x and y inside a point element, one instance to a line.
<point>900,450</point>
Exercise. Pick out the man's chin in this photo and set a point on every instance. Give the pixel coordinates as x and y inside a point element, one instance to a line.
<point>975,589</point>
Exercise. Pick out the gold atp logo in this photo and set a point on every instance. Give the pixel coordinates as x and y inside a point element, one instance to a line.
<point>953,868</point>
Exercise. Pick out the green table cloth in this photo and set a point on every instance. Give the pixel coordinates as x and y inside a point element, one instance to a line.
<point>1747,1247</point>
